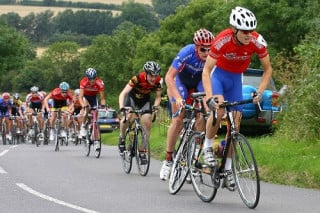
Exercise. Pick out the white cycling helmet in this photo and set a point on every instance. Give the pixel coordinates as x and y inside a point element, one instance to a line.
<point>243,19</point>
<point>77,91</point>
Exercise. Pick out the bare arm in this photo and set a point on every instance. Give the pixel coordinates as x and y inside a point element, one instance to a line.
<point>172,90</point>
<point>102,99</point>
<point>265,80</point>
<point>158,98</point>
<point>206,80</point>
<point>123,95</point>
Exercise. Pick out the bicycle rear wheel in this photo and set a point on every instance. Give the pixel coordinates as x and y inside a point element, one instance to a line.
<point>128,152</point>
<point>97,142</point>
<point>180,170</point>
<point>142,152</point>
<point>245,171</point>
<point>202,177</point>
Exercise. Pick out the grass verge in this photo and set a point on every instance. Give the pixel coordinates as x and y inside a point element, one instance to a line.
<point>280,161</point>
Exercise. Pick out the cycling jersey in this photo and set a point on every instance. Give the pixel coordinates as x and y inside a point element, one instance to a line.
<point>4,107</point>
<point>139,96</point>
<point>16,104</point>
<point>189,65</point>
<point>60,100</point>
<point>141,89</point>
<point>34,97</point>
<point>233,57</point>
<point>91,90</point>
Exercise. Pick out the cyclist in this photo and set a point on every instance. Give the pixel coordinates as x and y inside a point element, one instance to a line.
<point>34,104</point>
<point>136,94</point>
<point>16,110</point>
<point>61,98</point>
<point>77,111</point>
<point>230,55</point>
<point>90,87</point>
<point>184,76</point>
<point>5,110</point>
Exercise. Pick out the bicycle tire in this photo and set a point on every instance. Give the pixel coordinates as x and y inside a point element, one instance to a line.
<point>56,142</point>
<point>14,135</point>
<point>245,171</point>
<point>180,170</point>
<point>202,178</point>
<point>142,148</point>
<point>97,142</point>
<point>128,152</point>
<point>86,144</point>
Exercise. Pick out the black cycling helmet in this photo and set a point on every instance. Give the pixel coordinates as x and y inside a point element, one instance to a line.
<point>152,68</point>
<point>91,73</point>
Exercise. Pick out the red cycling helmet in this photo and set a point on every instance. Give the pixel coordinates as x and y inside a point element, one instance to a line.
<point>203,37</point>
<point>5,95</point>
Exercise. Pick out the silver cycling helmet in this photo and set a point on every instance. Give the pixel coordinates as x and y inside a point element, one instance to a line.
<point>152,68</point>
<point>64,86</point>
<point>34,89</point>
<point>242,19</point>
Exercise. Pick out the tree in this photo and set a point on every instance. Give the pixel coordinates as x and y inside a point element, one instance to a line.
<point>165,8</point>
<point>14,52</point>
<point>140,14</point>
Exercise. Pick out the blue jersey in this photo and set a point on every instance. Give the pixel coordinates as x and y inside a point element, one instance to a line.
<point>4,105</point>
<point>189,65</point>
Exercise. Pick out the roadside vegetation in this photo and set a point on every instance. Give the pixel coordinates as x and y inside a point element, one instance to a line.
<point>118,47</point>
<point>280,161</point>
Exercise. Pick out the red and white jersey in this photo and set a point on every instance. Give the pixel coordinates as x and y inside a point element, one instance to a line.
<point>91,89</point>
<point>34,97</point>
<point>56,95</point>
<point>234,57</point>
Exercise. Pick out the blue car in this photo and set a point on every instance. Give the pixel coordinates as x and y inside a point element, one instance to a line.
<point>108,120</point>
<point>263,118</point>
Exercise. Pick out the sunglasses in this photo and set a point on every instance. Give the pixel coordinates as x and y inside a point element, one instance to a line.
<point>246,31</point>
<point>203,49</point>
<point>64,91</point>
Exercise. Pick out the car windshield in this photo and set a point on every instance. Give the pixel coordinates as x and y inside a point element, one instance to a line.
<point>107,114</point>
<point>254,80</point>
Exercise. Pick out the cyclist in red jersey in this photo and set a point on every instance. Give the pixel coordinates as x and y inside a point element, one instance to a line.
<point>77,110</point>
<point>183,77</point>
<point>61,98</point>
<point>90,87</point>
<point>230,55</point>
<point>136,94</point>
<point>34,104</point>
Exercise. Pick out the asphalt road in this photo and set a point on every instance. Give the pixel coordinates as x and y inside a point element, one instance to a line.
<point>39,180</point>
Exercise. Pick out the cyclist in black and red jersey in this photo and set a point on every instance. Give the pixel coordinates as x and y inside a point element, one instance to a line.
<point>136,94</point>
<point>77,111</point>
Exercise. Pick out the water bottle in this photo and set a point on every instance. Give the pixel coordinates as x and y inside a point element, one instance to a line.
<point>221,148</point>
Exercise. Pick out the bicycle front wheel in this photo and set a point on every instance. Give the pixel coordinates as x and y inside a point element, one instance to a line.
<point>202,177</point>
<point>86,144</point>
<point>128,152</point>
<point>180,170</point>
<point>56,140</point>
<point>245,171</point>
<point>142,151</point>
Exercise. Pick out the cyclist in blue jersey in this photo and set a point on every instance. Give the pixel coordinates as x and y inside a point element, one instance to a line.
<point>184,76</point>
<point>5,112</point>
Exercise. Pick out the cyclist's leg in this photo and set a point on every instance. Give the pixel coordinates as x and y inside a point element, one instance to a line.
<point>129,103</point>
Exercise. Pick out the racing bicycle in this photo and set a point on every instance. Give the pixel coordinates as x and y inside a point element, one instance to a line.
<point>137,143</point>
<point>93,137</point>
<point>206,180</point>
<point>180,170</point>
